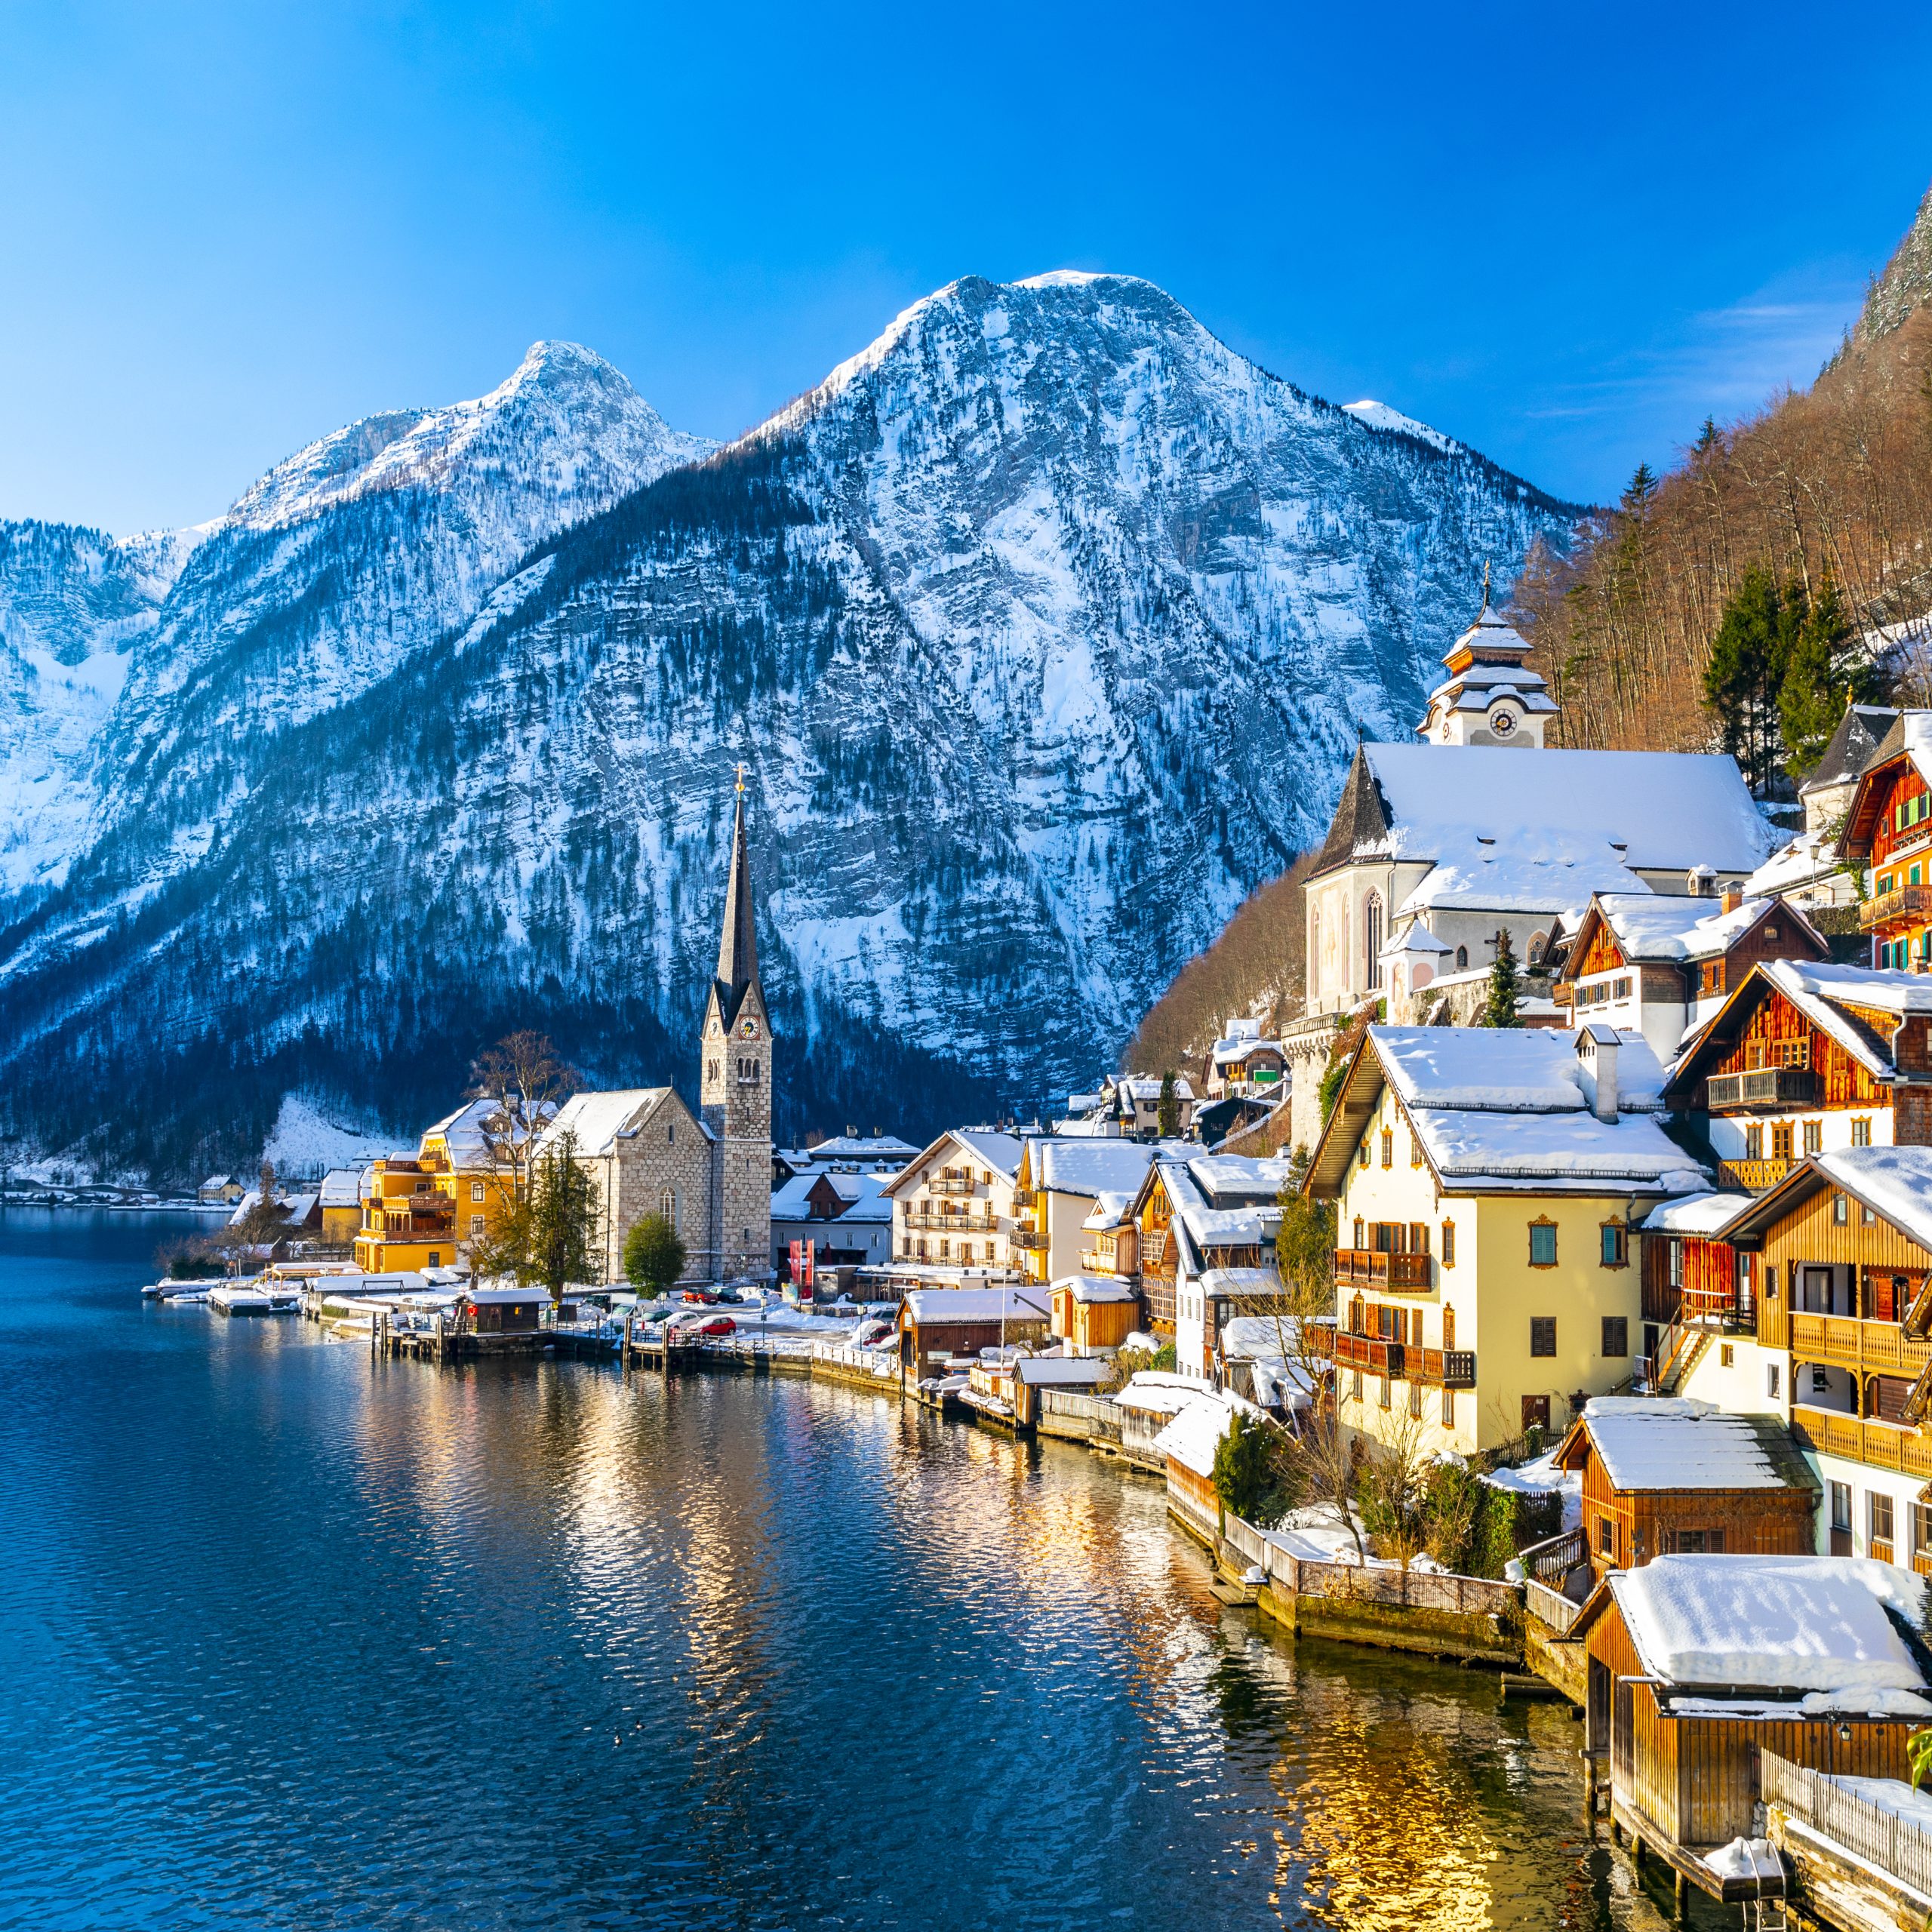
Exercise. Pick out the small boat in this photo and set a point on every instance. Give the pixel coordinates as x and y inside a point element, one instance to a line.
<point>251,1298</point>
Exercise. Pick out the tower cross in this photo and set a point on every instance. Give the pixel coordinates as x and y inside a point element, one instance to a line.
<point>741,777</point>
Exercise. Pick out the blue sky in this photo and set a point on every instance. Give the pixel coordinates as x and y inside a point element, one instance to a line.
<point>1562,235</point>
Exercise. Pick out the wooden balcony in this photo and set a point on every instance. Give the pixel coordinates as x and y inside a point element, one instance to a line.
<point>1903,902</point>
<point>1092,1262</point>
<point>1762,1086</point>
<point>1876,1347</point>
<point>1034,1238</point>
<point>1025,1196</point>
<point>1751,1177</point>
<point>952,1184</point>
<point>1883,1445</point>
<point>1434,1368</point>
<point>1371,1267</point>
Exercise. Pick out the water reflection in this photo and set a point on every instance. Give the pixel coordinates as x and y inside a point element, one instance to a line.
<point>303,1640</point>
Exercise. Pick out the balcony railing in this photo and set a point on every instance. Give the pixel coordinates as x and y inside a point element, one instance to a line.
<point>1371,1267</point>
<point>1435,1368</point>
<point>1031,1238</point>
<point>952,1184</point>
<point>954,1224</point>
<point>1882,1445</point>
<point>1092,1262</point>
<point>1751,1177</point>
<point>1903,902</point>
<point>1762,1086</point>
<point>1025,1196</point>
<point>1868,1344</point>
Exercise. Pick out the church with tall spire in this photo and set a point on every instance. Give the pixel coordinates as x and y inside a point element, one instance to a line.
<point>708,1173</point>
<point>735,1092</point>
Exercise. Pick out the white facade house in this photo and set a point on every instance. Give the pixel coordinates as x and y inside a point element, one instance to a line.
<point>952,1211</point>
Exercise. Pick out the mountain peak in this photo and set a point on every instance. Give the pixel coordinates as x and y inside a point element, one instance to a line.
<point>1906,284</point>
<point>563,407</point>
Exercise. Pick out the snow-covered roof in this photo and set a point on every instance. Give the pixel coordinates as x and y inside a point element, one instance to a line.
<point>462,1134</point>
<point>597,1119</point>
<point>1417,940</point>
<point>1819,989</point>
<point>1230,1227</point>
<point>1000,1151</point>
<point>859,1147</point>
<point>1230,1053</point>
<point>1814,1626</point>
<point>1509,1070</point>
<point>1158,1392</point>
<point>1092,1288</point>
<point>1539,835</point>
<point>342,1187</point>
<point>1809,855</point>
<point>1254,1337</point>
<point>219,1180</point>
<point>1696,1214</point>
<point>1091,1166</point>
<point>1140,1086</point>
<point>1060,1371</point>
<point>1895,1183</point>
<point>299,1207</point>
<point>1675,1442</point>
<point>504,1297</point>
<point>1109,1211</point>
<point>931,1307</point>
<point>1660,926</point>
<point>1241,1284</point>
<point>1191,1439</point>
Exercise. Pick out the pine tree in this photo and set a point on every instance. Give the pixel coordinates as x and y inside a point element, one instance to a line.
<point>1641,488</point>
<point>1500,1008</point>
<point>654,1255</point>
<point>1170,1109</point>
<point>1827,668</point>
<point>562,1224</point>
<point>1750,655</point>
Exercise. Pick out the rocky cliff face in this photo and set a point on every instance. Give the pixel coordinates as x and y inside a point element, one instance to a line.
<point>1906,284</point>
<point>1045,625</point>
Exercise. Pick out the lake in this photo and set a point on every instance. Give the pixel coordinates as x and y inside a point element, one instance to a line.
<point>297,1640</point>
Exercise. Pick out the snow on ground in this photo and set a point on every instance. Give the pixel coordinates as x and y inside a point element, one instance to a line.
<point>1538,1478</point>
<point>304,1139</point>
<point>1315,1535</point>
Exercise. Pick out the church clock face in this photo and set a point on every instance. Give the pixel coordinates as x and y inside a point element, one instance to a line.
<point>748,1029</point>
<point>1503,723</point>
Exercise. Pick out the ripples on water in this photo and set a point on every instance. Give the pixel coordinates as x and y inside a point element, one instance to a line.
<point>296,1641</point>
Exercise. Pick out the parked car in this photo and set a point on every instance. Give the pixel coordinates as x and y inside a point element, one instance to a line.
<point>718,1324</point>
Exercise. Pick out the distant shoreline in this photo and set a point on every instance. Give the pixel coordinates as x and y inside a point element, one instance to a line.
<point>190,1206</point>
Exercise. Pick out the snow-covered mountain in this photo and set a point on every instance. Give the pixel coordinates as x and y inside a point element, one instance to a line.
<point>1047,625</point>
<point>186,655</point>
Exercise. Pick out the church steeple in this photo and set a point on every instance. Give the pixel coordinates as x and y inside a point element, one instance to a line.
<point>737,946</point>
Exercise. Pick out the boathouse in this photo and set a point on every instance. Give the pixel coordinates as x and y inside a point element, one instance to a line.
<point>1666,1474</point>
<point>502,1311</point>
<point>934,1322</point>
<point>1697,1665</point>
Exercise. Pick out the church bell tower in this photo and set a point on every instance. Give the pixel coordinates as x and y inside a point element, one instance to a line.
<point>735,1091</point>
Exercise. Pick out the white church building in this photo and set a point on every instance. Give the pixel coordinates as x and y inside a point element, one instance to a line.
<point>1437,847</point>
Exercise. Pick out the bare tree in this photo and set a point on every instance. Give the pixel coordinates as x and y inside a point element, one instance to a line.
<point>528,1080</point>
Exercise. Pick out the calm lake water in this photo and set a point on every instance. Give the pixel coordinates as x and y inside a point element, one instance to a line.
<point>293,1640</point>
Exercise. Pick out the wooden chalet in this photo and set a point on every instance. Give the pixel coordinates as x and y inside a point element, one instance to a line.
<point>1660,963</point>
<point>1843,1249</point>
<point>1092,1313</point>
<point>1889,828</point>
<point>1806,1056</point>
<point>1667,1475</point>
<point>1796,1656</point>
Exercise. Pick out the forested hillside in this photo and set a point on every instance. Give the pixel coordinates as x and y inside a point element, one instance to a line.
<point>1827,493</point>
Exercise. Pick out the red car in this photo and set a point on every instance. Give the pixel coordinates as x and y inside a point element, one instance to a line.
<point>718,1324</point>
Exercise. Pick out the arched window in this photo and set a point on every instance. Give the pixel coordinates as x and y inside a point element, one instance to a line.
<point>1538,941</point>
<point>1315,951</point>
<point>1462,959</point>
<point>1372,937</point>
<point>667,1206</point>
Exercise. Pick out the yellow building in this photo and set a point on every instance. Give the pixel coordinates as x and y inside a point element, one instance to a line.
<point>1487,1183</point>
<point>432,1211</point>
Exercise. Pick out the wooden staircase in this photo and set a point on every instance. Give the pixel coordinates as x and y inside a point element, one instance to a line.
<point>1918,1316</point>
<point>1679,1352</point>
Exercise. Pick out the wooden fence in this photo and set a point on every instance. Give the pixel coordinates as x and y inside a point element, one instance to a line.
<point>1896,1846</point>
<point>1409,1589</point>
<point>1067,1412</point>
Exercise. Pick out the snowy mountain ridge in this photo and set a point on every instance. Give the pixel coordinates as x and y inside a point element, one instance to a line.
<point>1046,623</point>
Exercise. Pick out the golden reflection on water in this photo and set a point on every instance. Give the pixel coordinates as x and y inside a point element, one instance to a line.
<point>1382,1795</point>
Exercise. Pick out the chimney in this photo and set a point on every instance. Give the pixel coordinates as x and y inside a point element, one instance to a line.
<point>1729,901</point>
<point>1601,1043</point>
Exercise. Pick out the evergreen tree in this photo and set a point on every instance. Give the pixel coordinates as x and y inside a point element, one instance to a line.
<point>654,1255</point>
<point>1305,1242</point>
<point>1744,679</point>
<point>562,1221</point>
<point>1641,488</point>
<point>1170,1110</point>
<point>1504,986</point>
<point>1827,669</point>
